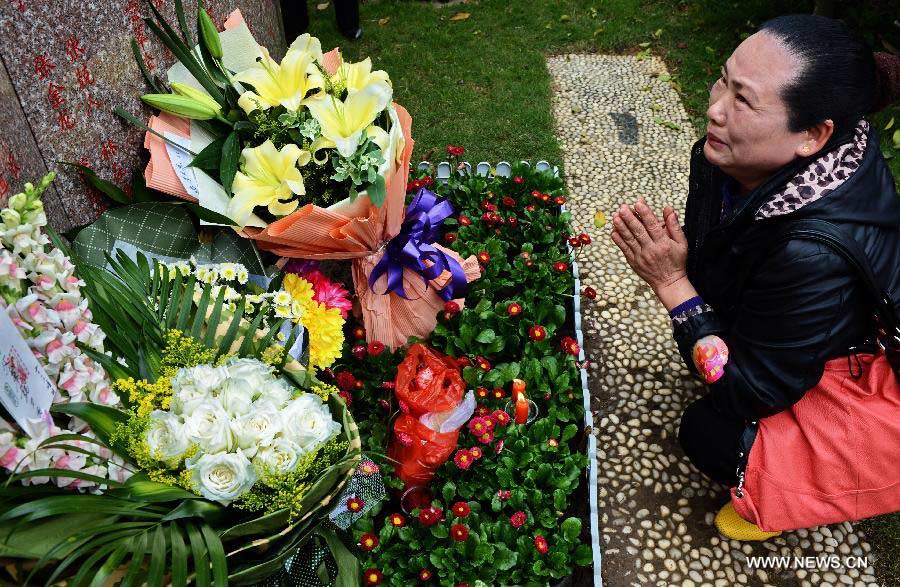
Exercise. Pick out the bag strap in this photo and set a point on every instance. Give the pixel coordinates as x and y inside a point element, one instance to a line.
<point>833,236</point>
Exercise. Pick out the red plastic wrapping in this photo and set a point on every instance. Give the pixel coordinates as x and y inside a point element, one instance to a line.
<point>426,382</point>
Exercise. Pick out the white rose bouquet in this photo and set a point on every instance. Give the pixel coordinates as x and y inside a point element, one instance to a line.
<point>211,452</point>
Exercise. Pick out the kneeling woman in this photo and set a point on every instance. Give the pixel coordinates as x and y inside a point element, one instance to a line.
<point>802,417</point>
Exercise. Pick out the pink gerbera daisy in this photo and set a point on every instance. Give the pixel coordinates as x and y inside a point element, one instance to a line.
<point>329,293</point>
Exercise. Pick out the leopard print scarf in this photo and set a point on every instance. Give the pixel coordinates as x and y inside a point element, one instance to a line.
<point>819,178</point>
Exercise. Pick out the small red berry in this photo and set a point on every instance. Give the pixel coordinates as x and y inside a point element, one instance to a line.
<point>359,351</point>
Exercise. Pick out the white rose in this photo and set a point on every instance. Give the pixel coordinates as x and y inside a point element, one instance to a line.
<point>236,396</point>
<point>221,477</point>
<point>278,458</point>
<point>208,426</point>
<point>194,385</point>
<point>278,392</point>
<point>207,377</point>
<point>307,421</point>
<point>257,428</point>
<point>255,373</point>
<point>165,435</point>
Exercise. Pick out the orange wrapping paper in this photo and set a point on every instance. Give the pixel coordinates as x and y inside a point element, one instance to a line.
<point>347,230</point>
<point>358,230</point>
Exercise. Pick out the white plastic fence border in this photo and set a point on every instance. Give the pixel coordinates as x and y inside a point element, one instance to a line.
<point>444,169</point>
<point>588,424</point>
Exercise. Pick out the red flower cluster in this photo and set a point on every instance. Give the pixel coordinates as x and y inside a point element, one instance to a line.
<point>570,346</point>
<point>537,333</point>
<point>345,381</point>
<point>540,543</point>
<point>455,151</point>
<point>359,351</point>
<point>518,179</point>
<point>368,542</point>
<point>559,200</point>
<point>373,576</point>
<point>460,509</point>
<point>504,494</point>
<point>345,395</point>
<point>463,459</point>
<point>430,516</point>
<point>518,519</point>
<point>368,468</point>
<point>459,533</point>
<point>500,417</point>
<point>417,184</point>
<point>479,425</point>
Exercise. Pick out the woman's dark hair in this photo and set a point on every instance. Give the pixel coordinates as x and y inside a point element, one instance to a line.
<point>837,78</point>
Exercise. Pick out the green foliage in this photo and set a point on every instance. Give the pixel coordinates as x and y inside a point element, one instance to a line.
<point>540,476</point>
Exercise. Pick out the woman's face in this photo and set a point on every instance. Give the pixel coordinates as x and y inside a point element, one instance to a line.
<point>747,133</point>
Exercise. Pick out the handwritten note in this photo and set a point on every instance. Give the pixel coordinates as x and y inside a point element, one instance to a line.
<point>181,161</point>
<point>25,390</point>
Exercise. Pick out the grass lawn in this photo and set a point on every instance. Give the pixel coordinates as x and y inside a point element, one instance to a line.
<point>481,82</point>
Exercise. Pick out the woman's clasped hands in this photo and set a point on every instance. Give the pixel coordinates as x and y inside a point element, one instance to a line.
<point>655,249</point>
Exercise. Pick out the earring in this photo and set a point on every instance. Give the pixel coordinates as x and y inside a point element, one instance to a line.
<point>806,149</point>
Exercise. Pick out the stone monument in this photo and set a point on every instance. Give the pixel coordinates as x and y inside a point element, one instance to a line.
<point>64,66</point>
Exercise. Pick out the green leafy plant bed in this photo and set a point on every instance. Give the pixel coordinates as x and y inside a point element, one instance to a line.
<point>513,511</point>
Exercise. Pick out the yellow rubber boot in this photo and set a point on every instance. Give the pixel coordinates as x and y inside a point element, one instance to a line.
<point>735,527</point>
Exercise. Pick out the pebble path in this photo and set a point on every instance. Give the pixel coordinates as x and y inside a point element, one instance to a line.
<point>625,134</point>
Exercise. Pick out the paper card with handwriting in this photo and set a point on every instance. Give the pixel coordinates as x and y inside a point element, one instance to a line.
<point>25,390</point>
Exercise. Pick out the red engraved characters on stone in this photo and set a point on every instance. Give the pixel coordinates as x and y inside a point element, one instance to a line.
<point>119,173</point>
<point>13,165</point>
<point>74,50</point>
<point>4,189</point>
<point>66,120</point>
<point>93,104</point>
<point>20,4</point>
<point>43,67</point>
<point>108,149</point>
<point>55,96</point>
<point>84,77</point>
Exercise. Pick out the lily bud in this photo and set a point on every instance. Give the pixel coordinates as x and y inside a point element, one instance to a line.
<point>209,34</point>
<point>181,106</point>
<point>192,92</point>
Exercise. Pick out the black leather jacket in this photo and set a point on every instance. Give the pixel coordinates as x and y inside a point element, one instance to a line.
<point>785,310</point>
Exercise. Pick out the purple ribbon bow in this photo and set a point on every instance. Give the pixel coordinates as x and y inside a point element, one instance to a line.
<point>414,245</point>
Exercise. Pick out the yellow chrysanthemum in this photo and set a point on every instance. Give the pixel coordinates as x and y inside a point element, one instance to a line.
<point>324,326</point>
